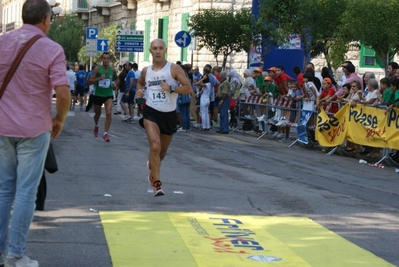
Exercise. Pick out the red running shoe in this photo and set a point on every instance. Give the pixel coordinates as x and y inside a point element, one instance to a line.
<point>95,131</point>
<point>158,189</point>
<point>106,138</point>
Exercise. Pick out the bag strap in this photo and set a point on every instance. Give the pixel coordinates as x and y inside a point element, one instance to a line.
<point>16,63</point>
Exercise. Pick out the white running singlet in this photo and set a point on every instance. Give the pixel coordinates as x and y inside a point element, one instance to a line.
<point>155,97</point>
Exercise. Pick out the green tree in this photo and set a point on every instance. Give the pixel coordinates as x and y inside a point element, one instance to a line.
<point>222,31</point>
<point>315,21</point>
<point>108,33</point>
<point>69,33</point>
<point>274,24</point>
<point>373,24</point>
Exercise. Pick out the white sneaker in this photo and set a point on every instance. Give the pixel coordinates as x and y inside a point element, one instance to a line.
<point>136,118</point>
<point>22,262</point>
<point>127,117</point>
<point>280,136</point>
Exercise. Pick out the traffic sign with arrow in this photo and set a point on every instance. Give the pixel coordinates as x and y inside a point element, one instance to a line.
<point>183,39</point>
<point>102,45</point>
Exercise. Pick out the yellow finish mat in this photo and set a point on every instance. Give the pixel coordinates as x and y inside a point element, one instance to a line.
<point>177,239</point>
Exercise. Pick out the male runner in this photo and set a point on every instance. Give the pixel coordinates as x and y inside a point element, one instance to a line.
<point>163,81</point>
<point>103,77</point>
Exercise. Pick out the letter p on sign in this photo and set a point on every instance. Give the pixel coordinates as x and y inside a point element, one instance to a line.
<point>91,33</point>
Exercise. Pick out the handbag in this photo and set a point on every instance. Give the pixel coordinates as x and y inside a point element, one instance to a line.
<point>51,162</point>
<point>233,103</point>
<point>17,60</point>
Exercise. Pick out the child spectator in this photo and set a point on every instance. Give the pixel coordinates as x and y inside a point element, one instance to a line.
<point>384,95</point>
<point>346,89</point>
<point>293,100</point>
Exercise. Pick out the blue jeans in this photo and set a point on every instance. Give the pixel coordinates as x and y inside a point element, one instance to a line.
<point>224,115</point>
<point>21,167</point>
<point>185,116</point>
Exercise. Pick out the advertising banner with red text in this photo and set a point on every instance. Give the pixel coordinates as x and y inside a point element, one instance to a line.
<point>362,125</point>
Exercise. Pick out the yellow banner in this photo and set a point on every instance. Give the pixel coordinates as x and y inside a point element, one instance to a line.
<point>362,125</point>
<point>179,239</point>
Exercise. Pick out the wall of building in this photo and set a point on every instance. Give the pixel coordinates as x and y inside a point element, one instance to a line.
<point>154,10</point>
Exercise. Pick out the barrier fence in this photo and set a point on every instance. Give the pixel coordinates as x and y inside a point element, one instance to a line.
<point>266,112</point>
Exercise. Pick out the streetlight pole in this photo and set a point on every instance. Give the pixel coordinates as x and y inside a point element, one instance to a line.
<point>55,9</point>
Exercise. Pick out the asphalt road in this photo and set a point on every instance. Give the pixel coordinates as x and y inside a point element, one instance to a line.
<point>231,174</point>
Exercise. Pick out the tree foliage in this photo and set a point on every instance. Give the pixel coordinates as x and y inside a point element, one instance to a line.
<point>222,31</point>
<point>69,32</point>
<point>373,24</point>
<point>315,21</point>
<point>108,33</point>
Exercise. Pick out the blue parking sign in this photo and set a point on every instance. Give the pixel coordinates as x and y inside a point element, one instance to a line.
<point>91,33</point>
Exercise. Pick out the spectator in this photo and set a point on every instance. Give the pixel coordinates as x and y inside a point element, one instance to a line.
<point>326,73</point>
<point>224,101</point>
<point>281,80</point>
<point>259,81</point>
<point>27,124</point>
<point>384,95</point>
<point>366,77</point>
<point>349,70</point>
<point>355,94</point>
<point>346,91</point>
<point>244,90</point>
<point>317,78</point>
<point>299,76</point>
<point>395,95</point>
<point>371,98</point>
<point>327,93</point>
<point>391,70</point>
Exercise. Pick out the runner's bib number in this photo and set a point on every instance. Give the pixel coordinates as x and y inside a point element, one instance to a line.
<point>159,97</point>
<point>105,83</point>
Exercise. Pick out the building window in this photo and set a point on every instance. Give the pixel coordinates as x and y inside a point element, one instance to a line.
<point>184,27</point>
<point>147,34</point>
<point>369,59</point>
<point>163,31</point>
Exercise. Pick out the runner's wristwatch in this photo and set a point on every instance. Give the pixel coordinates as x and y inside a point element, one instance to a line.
<point>172,88</point>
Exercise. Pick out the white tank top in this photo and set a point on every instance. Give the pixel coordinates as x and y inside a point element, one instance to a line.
<point>155,97</point>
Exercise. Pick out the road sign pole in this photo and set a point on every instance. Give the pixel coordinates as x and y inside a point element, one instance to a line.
<point>192,58</point>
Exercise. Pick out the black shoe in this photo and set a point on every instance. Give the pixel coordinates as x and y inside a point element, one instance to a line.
<point>218,131</point>
<point>224,132</point>
<point>117,113</point>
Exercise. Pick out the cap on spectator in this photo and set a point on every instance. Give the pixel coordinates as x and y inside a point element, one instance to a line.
<point>268,78</point>
<point>327,80</point>
<point>272,69</point>
<point>258,70</point>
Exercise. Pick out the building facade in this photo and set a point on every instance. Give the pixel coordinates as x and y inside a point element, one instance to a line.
<point>163,19</point>
<point>160,19</point>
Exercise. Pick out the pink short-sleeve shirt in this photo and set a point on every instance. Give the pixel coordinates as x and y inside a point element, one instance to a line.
<point>25,108</point>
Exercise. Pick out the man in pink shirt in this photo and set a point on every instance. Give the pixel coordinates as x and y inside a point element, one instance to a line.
<point>27,125</point>
<point>349,71</point>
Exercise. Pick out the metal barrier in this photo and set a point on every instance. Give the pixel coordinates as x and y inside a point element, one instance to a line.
<point>248,110</point>
<point>279,112</point>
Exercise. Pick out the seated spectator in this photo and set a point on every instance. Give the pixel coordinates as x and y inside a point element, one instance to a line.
<point>355,94</point>
<point>346,89</point>
<point>366,77</point>
<point>371,97</point>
